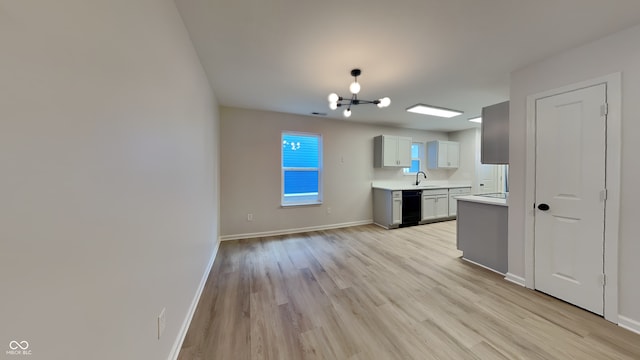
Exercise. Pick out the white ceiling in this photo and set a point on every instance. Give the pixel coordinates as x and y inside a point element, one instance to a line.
<point>288,55</point>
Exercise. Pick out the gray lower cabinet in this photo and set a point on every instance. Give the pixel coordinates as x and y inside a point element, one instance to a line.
<point>482,234</point>
<point>453,202</point>
<point>387,208</point>
<point>435,204</point>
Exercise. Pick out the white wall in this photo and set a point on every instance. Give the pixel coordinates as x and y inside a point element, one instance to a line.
<point>108,168</point>
<point>469,156</point>
<point>250,170</point>
<point>617,53</point>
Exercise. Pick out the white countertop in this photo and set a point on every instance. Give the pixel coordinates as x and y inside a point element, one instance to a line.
<point>483,200</point>
<point>424,185</point>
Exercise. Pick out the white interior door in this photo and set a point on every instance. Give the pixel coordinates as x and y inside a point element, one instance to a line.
<point>570,181</point>
<point>488,178</point>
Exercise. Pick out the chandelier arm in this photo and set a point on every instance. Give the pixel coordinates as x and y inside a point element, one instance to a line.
<point>369,102</point>
<point>357,102</point>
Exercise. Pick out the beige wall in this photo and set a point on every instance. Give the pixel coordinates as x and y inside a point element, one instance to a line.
<point>108,168</point>
<point>617,53</point>
<point>250,170</point>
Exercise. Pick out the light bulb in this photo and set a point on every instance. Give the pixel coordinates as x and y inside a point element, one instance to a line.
<point>333,98</point>
<point>354,87</point>
<point>347,113</point>
<point>333,105</point>
<point>384,102</point>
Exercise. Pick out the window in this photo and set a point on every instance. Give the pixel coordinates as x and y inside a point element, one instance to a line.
<point>416,159</point>
<point>301,169</point>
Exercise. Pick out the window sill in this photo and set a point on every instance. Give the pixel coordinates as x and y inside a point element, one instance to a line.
<point>301,199</point>
<point>310,203</point>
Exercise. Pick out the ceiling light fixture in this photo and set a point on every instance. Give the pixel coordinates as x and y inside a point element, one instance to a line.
<point>336,101</point>
<point>433,110</point>
<point>477,119</point>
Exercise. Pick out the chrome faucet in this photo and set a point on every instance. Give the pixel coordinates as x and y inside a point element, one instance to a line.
<point>418,174</point>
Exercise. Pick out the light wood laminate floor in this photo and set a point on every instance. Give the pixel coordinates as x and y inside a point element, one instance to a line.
<point>368,293</point>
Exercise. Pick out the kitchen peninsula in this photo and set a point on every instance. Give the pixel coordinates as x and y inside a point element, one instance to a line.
<point>482,230</point>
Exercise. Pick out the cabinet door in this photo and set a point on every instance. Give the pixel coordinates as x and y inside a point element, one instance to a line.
<point>453,154</point>
<point>453,202</point>
<point>453,206</point>
<point>442,206</point>
<point>390,151</point>
<point>397,212</point>
<point>404,151</point>
<point>443,154</point>
<point>428,207</point>
<point>396,207</point>
<point>495,134</point>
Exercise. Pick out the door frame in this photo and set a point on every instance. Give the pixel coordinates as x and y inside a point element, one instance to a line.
<point>613,84</point>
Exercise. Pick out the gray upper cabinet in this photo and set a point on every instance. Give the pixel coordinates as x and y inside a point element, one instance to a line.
<point>391,151</point>
<point>443,154</point>
<point>495,134</point>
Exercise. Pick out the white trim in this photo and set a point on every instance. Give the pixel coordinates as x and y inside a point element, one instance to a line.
<point>177,345</point>
<point>385,227</point>
<point>529,193</point>
<point>629,324</point>
<point>420,158</point>
<point>380,225</point>
<point>482,266</point>
<point>294,231</point>
<point>518,280</point>
<point>319,169</point>
<point>612,211</point>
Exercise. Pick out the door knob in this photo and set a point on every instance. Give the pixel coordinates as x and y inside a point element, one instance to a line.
<point>543,207</point>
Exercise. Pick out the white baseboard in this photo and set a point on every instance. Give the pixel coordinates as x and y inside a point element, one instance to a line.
<point>294,231</point>
<point>518,280</point>
<point>482,266</point>
<point>175,351</point>
<point>384,227</point>
<point>629,324</point>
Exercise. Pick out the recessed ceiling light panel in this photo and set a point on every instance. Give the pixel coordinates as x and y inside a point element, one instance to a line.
<point>433,111</point>
<point>477,119</point>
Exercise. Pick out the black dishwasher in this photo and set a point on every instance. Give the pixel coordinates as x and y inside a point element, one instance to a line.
<point>411,207</point>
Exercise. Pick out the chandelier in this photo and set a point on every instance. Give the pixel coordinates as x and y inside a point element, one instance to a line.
<point>336,101</point>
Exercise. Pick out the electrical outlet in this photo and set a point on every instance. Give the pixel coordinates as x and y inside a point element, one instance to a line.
<point>162,323</point>
<point>328,210</point>
<point>249,217</point>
